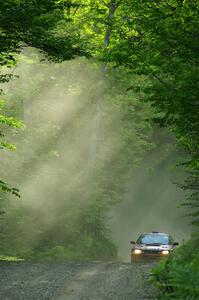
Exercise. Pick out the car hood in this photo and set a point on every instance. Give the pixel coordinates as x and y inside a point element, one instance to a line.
<point>153,247</point>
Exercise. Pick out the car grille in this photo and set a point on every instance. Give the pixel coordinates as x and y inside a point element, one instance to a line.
<point>151,251</point>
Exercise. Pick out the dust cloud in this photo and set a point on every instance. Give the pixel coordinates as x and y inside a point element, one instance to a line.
<point>153,198</point>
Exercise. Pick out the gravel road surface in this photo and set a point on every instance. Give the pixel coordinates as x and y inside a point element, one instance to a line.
<point>74,281</point>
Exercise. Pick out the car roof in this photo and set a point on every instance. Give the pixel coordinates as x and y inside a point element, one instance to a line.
<point>155,232</point>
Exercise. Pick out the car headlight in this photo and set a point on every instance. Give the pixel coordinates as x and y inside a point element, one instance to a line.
<point>137,251</point>
<point>165,252</point>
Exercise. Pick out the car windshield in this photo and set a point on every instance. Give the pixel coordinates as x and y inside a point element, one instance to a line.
<point>160,239</point>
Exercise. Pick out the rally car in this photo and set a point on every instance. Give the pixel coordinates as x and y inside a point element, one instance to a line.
<point>153,245</point>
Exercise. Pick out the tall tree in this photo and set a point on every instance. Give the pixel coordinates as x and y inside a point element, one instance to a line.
<point>160,40</point>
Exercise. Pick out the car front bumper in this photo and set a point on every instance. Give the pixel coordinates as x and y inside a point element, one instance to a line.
<point>144,257</point>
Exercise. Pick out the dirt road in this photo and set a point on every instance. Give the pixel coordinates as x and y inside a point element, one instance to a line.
<point>74,281</point>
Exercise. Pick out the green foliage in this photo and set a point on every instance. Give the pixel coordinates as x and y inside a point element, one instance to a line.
<point>38,29</point>
<point>84,249</point>
<point>159,40</point>
<point>10,258</point>
<point>178,277</point>
<point>13,123</point>
<point>4,187</point>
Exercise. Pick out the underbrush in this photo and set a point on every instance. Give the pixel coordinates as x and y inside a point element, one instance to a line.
<point>85,249</point>
<point>10,258</point>
<point>178,277</point>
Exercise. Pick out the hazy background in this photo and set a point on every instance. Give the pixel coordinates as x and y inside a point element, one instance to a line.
<point>86,174</point>
<point>152,201</point>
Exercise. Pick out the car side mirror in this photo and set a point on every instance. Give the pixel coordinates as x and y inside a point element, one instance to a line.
<point>175,243</point>
<point>132,242</point>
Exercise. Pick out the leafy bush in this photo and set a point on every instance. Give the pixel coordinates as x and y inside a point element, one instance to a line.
<point>85,249</point>
<point>178,277</point>
<point>10,258</point>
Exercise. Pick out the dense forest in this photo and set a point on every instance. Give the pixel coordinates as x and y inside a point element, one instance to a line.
<point>86,90</point>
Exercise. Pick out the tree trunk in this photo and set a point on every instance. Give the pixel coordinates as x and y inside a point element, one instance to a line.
<point>96,126</point>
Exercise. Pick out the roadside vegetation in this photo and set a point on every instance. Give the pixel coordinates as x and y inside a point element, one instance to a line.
<point>178,277</point>
<point>146,57</point>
